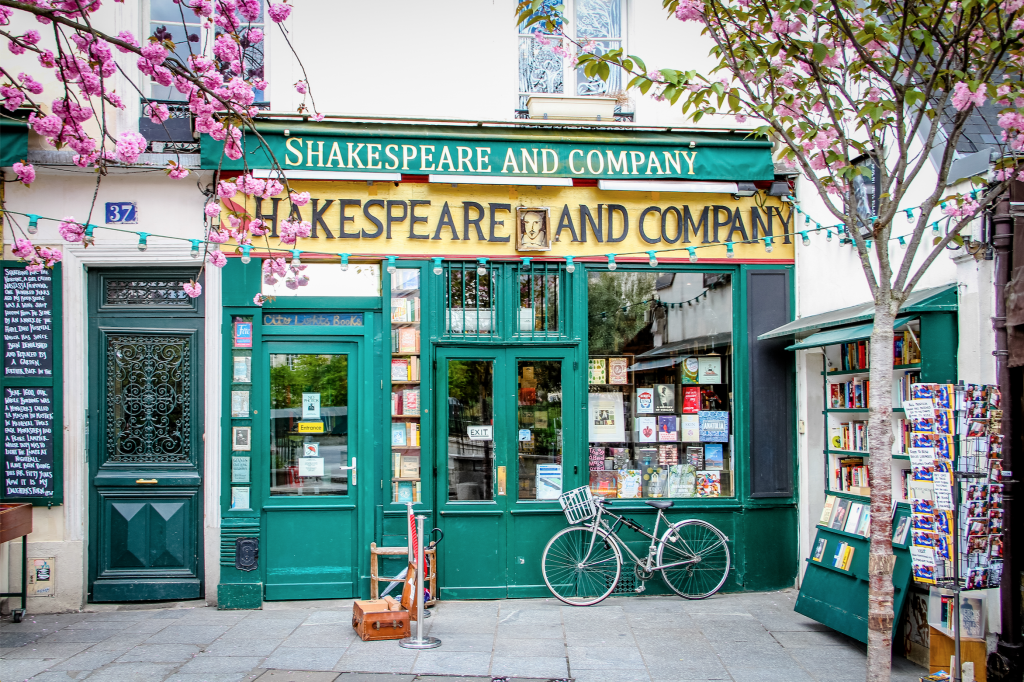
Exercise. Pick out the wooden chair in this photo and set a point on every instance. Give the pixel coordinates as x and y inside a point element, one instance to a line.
<point>376,579</point>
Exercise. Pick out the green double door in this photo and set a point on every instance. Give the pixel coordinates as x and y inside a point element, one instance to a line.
<point>506,418</point>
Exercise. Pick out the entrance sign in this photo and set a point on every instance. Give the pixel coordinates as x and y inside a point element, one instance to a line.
<point>311,427</point>
<point>481,432</point>
<point>477,220</point>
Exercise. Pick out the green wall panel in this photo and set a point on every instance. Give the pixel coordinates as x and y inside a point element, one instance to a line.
<point>939,343</point>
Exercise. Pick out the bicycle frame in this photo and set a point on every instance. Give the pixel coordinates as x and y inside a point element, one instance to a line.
<point>647,565</point>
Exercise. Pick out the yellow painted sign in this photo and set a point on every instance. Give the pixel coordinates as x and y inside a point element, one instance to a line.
<point>436,219</point>
<point>311,427</point>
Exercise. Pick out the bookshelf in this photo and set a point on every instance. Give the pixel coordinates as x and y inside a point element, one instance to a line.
<point>924,350</point>
<point>406,400</point>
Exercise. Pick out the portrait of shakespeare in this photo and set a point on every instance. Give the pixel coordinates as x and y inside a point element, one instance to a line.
<point>532,231</point>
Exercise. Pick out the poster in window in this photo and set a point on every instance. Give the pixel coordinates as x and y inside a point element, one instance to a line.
<point>617,371</point>
<point>310,405</point>
<point>241,438</point>
<point>598,371</point>
<point>709,369</point>
<point>242,370</point>
<point>606,420</point>
<point>240,404</point>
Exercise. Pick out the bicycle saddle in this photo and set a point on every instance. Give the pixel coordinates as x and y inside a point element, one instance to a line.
<point>660,504</point>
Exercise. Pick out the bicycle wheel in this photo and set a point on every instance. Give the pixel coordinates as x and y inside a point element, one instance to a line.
<point>575,572</point>
<point>697,556</point>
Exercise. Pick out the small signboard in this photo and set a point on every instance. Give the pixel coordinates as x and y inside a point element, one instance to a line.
<point>311,427</point>
<point>484,432</point>
<point>122,213</point>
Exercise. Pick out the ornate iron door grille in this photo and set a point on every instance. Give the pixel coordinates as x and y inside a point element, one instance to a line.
<point>149,393</point>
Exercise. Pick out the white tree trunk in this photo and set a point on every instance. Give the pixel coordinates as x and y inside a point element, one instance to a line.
<point>880,438</point>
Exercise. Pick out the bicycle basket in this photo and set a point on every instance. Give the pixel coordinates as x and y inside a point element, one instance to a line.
<point>578,504</point>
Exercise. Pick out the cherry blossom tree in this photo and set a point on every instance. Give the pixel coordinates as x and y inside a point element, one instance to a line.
<point>220,91</point>
<point>834,82</point>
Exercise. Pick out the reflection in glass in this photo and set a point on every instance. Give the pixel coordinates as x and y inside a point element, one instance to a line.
<point>328,279</point>
<point>470,406</point>
<point>308,424</point>
<point>538,301</point>
<point>470,299</point>
<point>540,429</point>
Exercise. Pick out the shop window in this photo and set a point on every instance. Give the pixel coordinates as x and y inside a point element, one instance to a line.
<point>406,432</point>
<point>326,279</point>
<point>599,24</point>
<point>866,191</point>
<point>660,417</point>
<point>308,424</point>
<point>539,289</point>
<point>539,429</point>
<point>470,408</point>
<point>470,299</point>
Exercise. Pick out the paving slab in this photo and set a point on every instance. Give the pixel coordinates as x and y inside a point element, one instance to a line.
<point>297,676</point>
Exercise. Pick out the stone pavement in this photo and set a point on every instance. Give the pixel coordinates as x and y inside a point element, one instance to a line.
<point>738,637</point>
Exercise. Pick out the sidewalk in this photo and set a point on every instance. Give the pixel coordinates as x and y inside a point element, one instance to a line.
<point>737,637</point>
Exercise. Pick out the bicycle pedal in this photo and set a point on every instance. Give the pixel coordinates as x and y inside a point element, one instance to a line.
<point>640,588</point>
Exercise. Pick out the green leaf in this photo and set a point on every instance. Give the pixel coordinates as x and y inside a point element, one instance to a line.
<point>627,64</point>
<point>639,62</point>
<point>820,52</point>
<point>603,71</point>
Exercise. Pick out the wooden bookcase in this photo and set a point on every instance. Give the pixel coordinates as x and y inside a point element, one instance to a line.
<point>838,597</point>
<point>406,394</point>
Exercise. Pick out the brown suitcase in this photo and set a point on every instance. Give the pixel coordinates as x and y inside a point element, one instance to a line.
<point>373,621</point>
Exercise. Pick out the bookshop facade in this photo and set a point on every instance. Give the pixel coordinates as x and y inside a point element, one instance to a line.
<point>476,349</point>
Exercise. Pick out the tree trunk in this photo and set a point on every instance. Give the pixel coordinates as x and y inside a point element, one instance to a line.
<point>880,438</point>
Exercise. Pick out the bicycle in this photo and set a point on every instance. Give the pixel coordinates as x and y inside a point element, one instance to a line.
<point>582,564</point>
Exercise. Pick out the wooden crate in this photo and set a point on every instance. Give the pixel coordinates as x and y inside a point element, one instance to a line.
<point>376,579</point>
<point>940,650</point>
<point>16,520</point>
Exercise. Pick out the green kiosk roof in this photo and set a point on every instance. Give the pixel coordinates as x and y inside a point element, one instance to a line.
<point>845,334</point>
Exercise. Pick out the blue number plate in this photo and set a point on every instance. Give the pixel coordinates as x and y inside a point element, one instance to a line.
<point>123,212</point>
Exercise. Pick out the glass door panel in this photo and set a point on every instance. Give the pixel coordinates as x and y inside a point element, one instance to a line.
<point>539,429</point>
<point>309,424</point>
<point>470,446</point>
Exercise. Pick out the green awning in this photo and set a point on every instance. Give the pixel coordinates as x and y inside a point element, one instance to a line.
<point>845,334</point>
<point>13,142</point>
<point>499,150</point>
<point>932,300</point>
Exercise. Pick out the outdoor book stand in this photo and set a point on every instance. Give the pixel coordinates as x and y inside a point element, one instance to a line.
<point>16,522</point>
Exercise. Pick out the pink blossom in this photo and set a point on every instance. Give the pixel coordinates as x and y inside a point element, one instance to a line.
<point>690,10</point>
<point>301,87</point>
<point>967,208</point>
<point>13,97</point>
<point>292,230</point>
<point>300,199</point>
<point>278,12</point>
<point>874,94</point>
<point>129,146</point>
<point>212,209</point>
<point>273,188</point>
<point>176,171</point>
<point>740,118</point>
<point>258,299</point>
<point>31,84</point>
<point>542,39</point>
<point>193,289</point>
<point>318,117</point>
<point>217,258</point>
<point>16,47</point>
<point>963,97</point>
<point>46,126</point>
<point>254,36</point>
<point>260,84</point>
<point>154,52</point>
<point>257,228</point>
<point>158,113</point>
<point>226,189</point>
<point>25,171</point>
<point>71,231</point>
<point>217,237</point>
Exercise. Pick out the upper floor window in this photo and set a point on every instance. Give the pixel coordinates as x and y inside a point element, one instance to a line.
<point>597,24</point>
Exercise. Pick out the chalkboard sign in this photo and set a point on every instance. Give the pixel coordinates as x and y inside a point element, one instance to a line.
<point>28,323</point>
<point>29,417</point>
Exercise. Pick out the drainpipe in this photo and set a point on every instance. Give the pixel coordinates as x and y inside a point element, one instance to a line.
<point>1005,663</point>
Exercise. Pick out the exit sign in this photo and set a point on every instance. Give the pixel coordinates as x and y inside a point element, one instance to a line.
<point>123,212</point>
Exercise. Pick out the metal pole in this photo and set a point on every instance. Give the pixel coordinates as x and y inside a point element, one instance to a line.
<point>419,641</point>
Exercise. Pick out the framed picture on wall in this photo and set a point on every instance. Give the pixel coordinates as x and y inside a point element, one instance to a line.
<point>241,438</point>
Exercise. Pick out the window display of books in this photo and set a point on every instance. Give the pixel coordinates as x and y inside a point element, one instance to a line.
<point>660,431</point>
<point>405,386</point>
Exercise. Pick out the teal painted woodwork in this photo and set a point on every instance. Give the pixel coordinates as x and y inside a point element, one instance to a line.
<point>310,554</point>
<point>145,436</point>
<point>239,596</point>
<point>939,342</point>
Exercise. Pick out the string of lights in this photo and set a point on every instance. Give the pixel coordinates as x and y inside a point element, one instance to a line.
<point>250,251</point>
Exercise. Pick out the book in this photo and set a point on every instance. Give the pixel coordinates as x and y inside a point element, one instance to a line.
<point>647,429</point>
<point>819,550</point>
<point>620,457</point>
<point>408,340</point>
<point>597,455</point>
<point>691,368</point>
<point>839,515</point>
<point>709,369</point>
<point>713,426</point>
<point>629,481</point>
<point>668,428</point>
<point>403,493</point>
<point>695,456</point>
<point>864,527</point>
<point>598,372</point>
<point>682,479</point>
<point>410,467</point>
<point>691,399</point>
<point>853,517</point>
<point>653,454</point>
<point>604,483</point>
<point>618,371</point>
<point>411,401</point>
<point>826,512</point>
<point>399,436</point>
<point>665,398</point>
<point>709,483</point>
<point>645,401</point>
<point>400,369</point>
<point>689,428</point>
<point>899,536</point>
<point>714,456</point>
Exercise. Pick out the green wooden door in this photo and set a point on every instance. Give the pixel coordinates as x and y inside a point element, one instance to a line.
<point>146,437</point>
<point>500,435</point>
<point>312,462</point>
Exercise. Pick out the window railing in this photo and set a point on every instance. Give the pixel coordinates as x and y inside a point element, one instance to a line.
<point>177,134</point>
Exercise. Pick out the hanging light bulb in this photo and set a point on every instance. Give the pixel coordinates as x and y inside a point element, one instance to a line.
<point>88,239</point>
<point>653,262</point>
<point>910,215</point>
<point>391,265</point>
<point>828,235</point>
<point>246,258</point>
<point>142,241</point>
<point>693,254</point>
<point>481,266</point>
<point>570,267</point>
<point>33,223</point>
<point>296,260</point>
<point>935,227</point>
<point>903,242</point>
<point>194,252</point>
<point>807,218</point>
<point>767,244</point>
<point>527,263</point>
<point>867,243</point>
<point>344,262</point>
<point>437,267</point>
<point>729,253</point>
<point>611,262</point>
<point>806,239</point>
